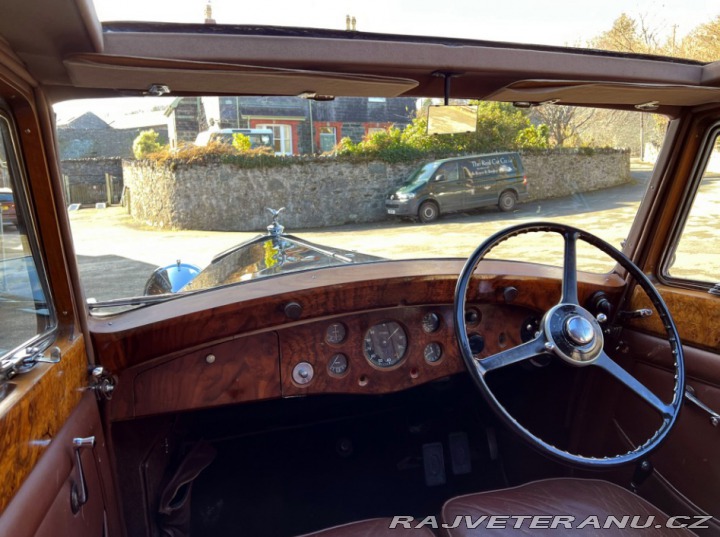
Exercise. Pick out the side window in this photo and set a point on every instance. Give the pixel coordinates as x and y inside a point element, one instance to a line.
<point>450,170</point>
<point>696,255</point>
<point>25,311</point>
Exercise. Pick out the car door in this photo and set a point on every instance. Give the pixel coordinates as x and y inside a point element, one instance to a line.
<point>54,473</point>
<point>449,189</point>
<point>681,251</point>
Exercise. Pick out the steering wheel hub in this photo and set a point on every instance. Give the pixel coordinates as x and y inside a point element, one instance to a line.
<point>575,335</point>
<point>579,330</point>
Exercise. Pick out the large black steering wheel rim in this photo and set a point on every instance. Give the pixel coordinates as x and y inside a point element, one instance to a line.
<point>569,311</point>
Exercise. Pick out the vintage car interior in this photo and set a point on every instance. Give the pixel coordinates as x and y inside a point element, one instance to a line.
<point>331,399</point>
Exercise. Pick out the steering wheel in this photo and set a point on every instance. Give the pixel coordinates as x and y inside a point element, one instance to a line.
<point>573,334</point>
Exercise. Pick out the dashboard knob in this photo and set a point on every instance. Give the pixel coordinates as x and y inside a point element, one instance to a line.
<point>293,310</point>
<point>303,373</point>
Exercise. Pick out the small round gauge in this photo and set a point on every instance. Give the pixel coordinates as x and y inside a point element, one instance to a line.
<point>335,333</point>
<point>432,352</point>
<point>338,365</point>
<point>430,322</point>
<point>385,344</point>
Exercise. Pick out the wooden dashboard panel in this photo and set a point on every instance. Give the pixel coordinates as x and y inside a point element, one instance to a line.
<point>234,371</point>
<point>260,366</point>
<point>143,335</point>
<point>498,325</point>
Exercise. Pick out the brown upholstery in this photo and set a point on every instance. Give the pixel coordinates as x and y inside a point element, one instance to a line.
<point>578,498</point>
<point>376,527</point>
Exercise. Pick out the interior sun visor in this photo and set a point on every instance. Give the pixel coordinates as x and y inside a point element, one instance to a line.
<point>534,92</point>
<point>134,73</point>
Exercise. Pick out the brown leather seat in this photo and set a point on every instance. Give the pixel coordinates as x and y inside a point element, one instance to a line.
<point>376,527</point>
<point>589,502</point>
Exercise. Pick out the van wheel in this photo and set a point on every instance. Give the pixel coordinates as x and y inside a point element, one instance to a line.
<point>507,201</point>
<point>428,212</point>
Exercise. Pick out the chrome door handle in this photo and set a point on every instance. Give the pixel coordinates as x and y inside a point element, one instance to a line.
<point>79,492</point>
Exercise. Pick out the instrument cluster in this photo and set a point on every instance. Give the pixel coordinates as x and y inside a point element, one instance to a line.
<point>386,350</point>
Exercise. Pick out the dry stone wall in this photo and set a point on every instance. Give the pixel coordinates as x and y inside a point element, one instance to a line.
<point>319,193</point>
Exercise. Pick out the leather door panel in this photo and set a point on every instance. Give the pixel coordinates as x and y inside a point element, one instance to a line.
<point>42,506</point>
<point>688,463</point>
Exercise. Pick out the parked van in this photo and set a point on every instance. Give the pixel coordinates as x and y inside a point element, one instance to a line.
<point>458,184</point>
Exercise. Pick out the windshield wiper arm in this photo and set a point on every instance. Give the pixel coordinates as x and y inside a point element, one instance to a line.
<point>135,301</point>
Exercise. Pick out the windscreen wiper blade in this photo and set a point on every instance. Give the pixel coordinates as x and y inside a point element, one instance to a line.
<point>135,301</point>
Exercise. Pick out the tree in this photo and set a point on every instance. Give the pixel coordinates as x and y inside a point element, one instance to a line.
<point>703,43</point>
<point>564,123</point>
<point>628,35</point>
<point>145,144</point>
<point>500,127</point>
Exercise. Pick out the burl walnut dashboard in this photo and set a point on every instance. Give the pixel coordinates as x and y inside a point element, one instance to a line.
<point>366,329</point>
<point>372,352</point>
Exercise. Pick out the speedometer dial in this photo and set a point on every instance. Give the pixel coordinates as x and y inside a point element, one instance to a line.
<point>385,344</point>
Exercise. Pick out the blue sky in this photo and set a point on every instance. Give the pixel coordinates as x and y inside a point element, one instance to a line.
<point>560,22</point>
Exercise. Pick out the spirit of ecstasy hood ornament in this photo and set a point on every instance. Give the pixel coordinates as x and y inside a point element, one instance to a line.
<point>275,228</point>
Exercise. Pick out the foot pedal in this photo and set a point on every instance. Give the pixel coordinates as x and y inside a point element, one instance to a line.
<point>434,464</point>
<point>460,453</point>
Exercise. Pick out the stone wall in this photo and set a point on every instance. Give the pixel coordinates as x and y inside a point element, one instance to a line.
<point>321,193</point>
<point>556,174</point>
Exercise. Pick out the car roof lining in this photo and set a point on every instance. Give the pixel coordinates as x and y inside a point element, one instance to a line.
<point>67,34</point>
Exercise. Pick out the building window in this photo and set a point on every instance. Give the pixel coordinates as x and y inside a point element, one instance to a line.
<point>283,138</point>
<point>328,139</point>
<point>376,99</point>
<point>373,130</point>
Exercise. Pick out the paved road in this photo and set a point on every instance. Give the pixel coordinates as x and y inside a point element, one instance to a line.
<point>116,255</point>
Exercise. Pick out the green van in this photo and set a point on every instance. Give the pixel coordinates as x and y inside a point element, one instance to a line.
<point>458,184</point>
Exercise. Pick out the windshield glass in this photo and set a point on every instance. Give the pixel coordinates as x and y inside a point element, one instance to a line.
<point>422,174</point>
<point>679,28</point>
<point>151,211</point>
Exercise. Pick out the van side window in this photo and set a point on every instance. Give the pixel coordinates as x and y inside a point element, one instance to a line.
<point>449,170</point>
<point>25,311</point>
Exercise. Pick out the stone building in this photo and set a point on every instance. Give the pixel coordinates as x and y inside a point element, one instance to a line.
<point>88,136</point>
<point>300,126</point>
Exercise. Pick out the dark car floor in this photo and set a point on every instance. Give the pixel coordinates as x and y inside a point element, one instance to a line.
<point>307,464</point>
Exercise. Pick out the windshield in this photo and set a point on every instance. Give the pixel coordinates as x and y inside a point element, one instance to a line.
<point>679,28</point>
<point>151,210</point>
<point>422,174</point>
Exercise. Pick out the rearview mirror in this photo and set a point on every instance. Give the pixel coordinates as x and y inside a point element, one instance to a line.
<point>451,119</point>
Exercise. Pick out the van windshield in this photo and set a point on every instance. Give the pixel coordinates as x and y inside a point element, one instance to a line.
<point>422,174</point>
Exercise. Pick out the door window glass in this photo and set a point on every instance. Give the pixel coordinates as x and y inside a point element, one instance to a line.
<point>25,311</point>
<point>697,251</point>
<point>449,170</point>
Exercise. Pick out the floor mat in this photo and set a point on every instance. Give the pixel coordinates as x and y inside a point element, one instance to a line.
<point>365,464</point>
